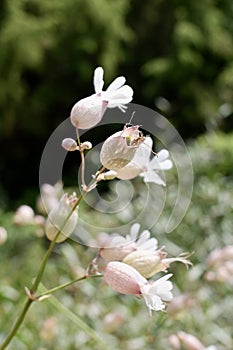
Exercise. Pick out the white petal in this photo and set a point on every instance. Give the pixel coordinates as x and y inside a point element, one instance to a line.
<point>144,236</point>
<point>151,176</point>
<point>155,164</point>
<point>134,231</point>
<point>163,154</point>
<point>98,80</point>
<point>150,245</point>
<point>116,84</point>
<point>120,96</point>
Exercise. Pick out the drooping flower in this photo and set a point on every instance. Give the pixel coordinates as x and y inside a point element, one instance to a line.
<point>62,218</point>
<point>127,280</point>
<point>88,112</point>
<point>116,247</point>
<point>119,149</point>
<point>142,165</point>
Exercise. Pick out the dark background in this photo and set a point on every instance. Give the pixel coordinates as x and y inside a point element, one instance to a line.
<point>177,56</point>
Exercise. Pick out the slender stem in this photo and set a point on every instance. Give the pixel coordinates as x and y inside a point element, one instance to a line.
<point>41,270</point>
<point>82,161</point>
<point>36,282</point>
<point>67,284</point>
<point>17,324</point>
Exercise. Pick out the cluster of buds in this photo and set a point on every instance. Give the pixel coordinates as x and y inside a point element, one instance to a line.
<point>220,265</point>
<point>133,259</point>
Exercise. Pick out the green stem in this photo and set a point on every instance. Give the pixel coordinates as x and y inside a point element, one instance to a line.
<point>40,273</point>
<point>64,285</point>
<point>16,325</point>
<point>36,282</point>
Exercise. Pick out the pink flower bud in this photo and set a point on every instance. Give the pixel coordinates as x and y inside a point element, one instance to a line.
<point>123,278</point>
<point>69,144</point>
<point>24,215</point>
<point>119,149</point>
<point>190,342</point>
<point>58,220</point>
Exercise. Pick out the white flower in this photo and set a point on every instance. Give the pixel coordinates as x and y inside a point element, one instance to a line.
<point>125,279</point>
<point>87,112</point>
<point>143,166</point>
<point>157,292</point>
<point>115,247</point>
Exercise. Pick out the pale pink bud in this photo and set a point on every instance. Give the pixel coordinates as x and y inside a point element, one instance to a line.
<point>24,215</point>
<point>190,342</point>
<point>119,149</point>
<point>3,235</point>
<point>123,278</point>
<point>147,263</point>
<point>63,219</point>
<point>86,145</point>
<point>108,175</point>
<point>174,341</point>
<point>69,144</point>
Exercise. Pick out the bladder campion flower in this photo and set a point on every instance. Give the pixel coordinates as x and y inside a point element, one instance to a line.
<point>119,149</point>
<point>127,280</point>
<point>88,112</point>
<point>116,247</point>
<point>142,165</point>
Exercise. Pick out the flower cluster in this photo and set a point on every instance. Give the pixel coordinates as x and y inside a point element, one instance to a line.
<point>133,259</point>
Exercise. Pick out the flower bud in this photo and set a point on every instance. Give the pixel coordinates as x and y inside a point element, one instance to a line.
<point>190,342</point>
<point>147,263</point>
<point>69,144</point>
<point>123,278</point>
<point>24,215</point>
<point>108,175</point>
<point>58,220</point>
<point>86,145</point>
<point>119,149</point>
<point>3,235</point>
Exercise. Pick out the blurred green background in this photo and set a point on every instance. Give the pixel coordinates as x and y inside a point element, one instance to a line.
<point>177,55</point>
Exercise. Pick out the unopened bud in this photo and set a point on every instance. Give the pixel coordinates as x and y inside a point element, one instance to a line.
<point>109,175</point>
<point>62,218</point>
<point>3,235</point>
<point>190,342</point>
<point>147,263</point>
<point>86,145</point>
<point>24,215</point>
<point>69,144</point>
